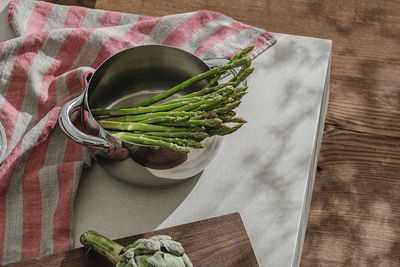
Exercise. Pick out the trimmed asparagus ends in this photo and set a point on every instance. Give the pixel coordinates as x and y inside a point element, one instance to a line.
<point>156,251</point>
<point>183,122</point>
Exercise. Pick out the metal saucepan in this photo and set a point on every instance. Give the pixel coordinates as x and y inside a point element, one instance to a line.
<point>126,78</point>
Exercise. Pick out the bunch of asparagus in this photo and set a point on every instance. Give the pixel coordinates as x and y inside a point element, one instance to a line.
<point>187,120</point>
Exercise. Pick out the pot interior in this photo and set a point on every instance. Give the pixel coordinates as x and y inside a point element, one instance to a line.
<point>137,73</point>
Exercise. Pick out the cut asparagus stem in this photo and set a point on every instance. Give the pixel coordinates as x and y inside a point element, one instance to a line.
<point>239,55</point>
<point>102,245</point>
<point>138,126</point>
<point>148,141</point>
<point>191,81</point>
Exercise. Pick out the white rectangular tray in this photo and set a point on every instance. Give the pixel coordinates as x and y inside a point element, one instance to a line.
<point>265,171</point>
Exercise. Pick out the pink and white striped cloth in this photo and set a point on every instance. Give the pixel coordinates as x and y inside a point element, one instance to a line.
<point>56,48</point>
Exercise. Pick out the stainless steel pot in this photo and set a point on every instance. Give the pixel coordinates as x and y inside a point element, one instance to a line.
<point>126,78</point>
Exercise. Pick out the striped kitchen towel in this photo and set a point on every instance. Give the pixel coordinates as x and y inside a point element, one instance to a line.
<point>55,51</point>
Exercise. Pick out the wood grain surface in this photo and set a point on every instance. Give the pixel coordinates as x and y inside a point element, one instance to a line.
<point>355,212</point>
<point>220,241</point>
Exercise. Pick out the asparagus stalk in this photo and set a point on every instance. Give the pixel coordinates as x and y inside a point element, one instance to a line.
<point>243,53</point>
<point>194,123</point>
<point>240,77</point>
<point>208,115</point>
<point>208,90</point>
<point>224,129</point>
<point>186,100</point>
<point>134,111</point>
<point>239,55</point>
<point>192,106</point>
<point>210,105</point>
<point>142,117</point>
<point>178,141</point>
<point>191,81</point>
<point>138,126</point>
<point>233,119</point>
<point>227,108</point>
<point>238,96</point>
<point>242,69</point>
<point>191,135</point>
<point>221,91</point>
<point>141,139</point>
<point>165,119</point>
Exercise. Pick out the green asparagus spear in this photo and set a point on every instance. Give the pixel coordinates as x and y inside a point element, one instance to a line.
<point>142,117</point>
<point>165,119</point>
<point>233,119</point>
<point>223,91</point>
<point>240,77</point>
<point>224,129</point>
<point>238,96</point>
<point>227,108</point>
<point>239,55</point>
<point>178,141</point>
<point>193,123</point>
<point>192,106</point>
<point>192,135</point>
<point>208,90</point>
<point>134,111</point>
<point>138,126</point>
<point>241,71</point>
<point>148,141</point>
<point>191,81</point>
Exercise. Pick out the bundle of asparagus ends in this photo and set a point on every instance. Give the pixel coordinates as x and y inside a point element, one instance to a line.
<point>187,120</point>
<point>156,251</point>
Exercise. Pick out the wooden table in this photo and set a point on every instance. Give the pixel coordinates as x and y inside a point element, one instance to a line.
<point>355,212</point>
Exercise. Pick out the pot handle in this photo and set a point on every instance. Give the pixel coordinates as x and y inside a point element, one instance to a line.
<point>216,62</point>
<point>74,133</point>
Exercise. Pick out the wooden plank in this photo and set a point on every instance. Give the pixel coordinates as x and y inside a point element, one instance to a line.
<point>220,241</point>
<point>85,3</point>
<point>355,213</point>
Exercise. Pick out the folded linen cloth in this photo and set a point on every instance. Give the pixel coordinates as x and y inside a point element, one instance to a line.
<point>56,50</point>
